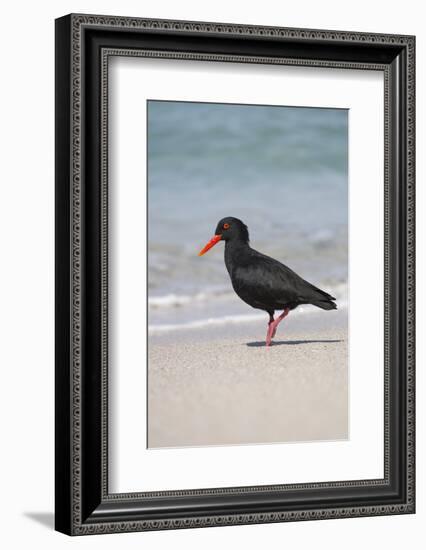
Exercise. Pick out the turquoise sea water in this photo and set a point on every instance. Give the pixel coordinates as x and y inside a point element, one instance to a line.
<point>282,170</point>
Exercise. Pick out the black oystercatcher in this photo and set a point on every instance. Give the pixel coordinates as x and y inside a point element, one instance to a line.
<point>261,281</point>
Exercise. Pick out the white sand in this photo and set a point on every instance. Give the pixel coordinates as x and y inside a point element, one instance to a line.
<point>225,387</point>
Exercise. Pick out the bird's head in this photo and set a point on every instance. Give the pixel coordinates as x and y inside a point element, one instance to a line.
<point>228,229</point>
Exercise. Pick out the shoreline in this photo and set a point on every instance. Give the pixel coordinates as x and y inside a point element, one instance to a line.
<point>172,312</point>
<point>251,325</point>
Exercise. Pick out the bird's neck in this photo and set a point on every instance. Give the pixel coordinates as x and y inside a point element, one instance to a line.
<point>235,250</point>
<point>236,244</point>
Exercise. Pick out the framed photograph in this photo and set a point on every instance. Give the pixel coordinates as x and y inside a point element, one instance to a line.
<point>234,274</point>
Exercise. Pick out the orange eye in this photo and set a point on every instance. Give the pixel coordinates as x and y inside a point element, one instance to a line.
<point>226,226</point>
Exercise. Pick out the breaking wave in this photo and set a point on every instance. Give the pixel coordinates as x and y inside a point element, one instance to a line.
<point>172,300</point>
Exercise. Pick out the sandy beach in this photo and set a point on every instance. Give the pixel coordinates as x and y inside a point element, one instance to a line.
<point>221,385</point>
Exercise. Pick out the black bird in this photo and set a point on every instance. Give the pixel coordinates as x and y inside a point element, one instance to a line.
<point>261,281</point>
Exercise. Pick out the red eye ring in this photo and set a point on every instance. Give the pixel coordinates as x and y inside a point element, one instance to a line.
<point>226,226</point>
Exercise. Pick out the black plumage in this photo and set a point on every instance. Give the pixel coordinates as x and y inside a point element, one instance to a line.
<point>262,282</point>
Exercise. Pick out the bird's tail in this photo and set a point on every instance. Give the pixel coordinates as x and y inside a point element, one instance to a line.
<point>322,299</point>
<point>325,304</point>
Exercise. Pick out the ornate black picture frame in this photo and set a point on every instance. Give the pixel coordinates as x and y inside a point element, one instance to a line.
<point>84,44</point>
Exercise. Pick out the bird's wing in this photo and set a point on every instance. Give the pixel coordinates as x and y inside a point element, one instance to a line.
<point>268,281</point>
<point>265,281</point>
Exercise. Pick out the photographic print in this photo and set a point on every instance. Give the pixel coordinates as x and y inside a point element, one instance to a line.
<point>247,274</point>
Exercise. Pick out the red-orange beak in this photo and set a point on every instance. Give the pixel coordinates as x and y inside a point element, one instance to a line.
<point>214,240</point>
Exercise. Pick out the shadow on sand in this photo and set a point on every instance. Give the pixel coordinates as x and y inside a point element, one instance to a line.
<point>291,343</point>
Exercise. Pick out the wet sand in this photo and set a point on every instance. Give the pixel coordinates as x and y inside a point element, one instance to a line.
<point>222,386</point>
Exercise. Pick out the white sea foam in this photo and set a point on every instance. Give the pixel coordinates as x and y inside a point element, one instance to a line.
<point>179,300</point>
<point>211,321</point>
<point>226,319</point>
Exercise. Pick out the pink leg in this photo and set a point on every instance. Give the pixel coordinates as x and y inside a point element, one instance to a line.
<point>269,332</point>
<point>278,320</point>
